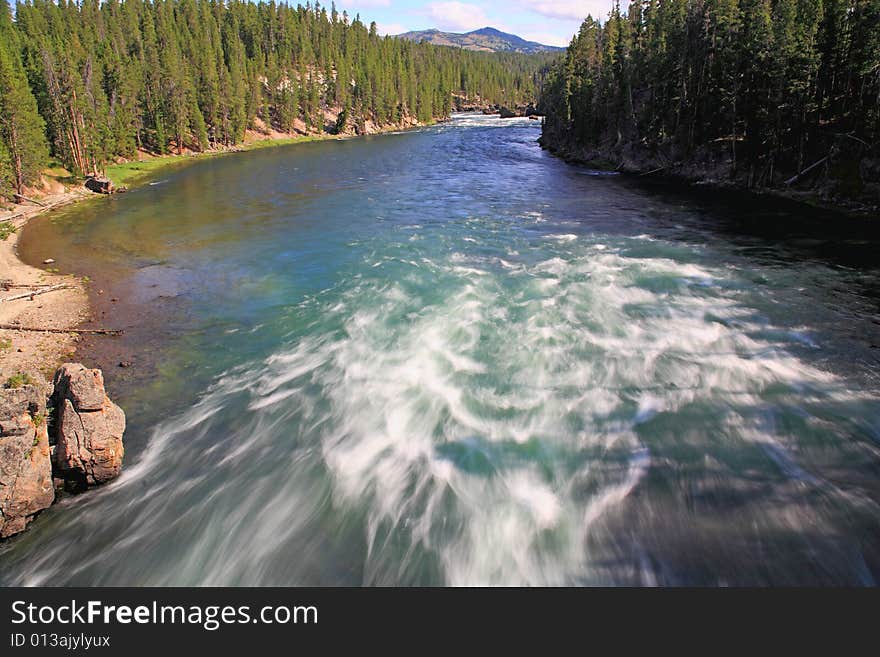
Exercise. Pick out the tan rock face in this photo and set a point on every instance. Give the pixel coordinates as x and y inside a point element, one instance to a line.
<point>82,386</point>
<point>87,428</point>
<point>89,447</point>
<point>25,468</point>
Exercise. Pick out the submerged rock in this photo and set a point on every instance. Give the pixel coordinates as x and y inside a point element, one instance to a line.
<point>25,467</point>
<point>88,429</point>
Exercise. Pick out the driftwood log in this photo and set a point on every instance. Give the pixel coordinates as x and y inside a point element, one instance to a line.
<point>8,285</point>
<point>31,211</point>
<point>15,327</point>
<point>29,200</point>
<point>791,181</point>
<point>33,293</point>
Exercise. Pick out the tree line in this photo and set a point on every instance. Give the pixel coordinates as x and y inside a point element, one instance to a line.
<point>93,81</point>
<point>769,92</point>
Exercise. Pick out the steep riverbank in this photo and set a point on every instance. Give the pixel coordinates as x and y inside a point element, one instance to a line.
<point>712,167</point>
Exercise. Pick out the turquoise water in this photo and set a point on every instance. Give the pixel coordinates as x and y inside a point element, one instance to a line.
<point>444,357</point>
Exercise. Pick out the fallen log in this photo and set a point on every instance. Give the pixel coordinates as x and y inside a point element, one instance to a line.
<point>9,285</point>
<point>795,178</point>
<point>849,136</point>
<point>33,293</point>
<point>33,211</point>
<point>15,327</point>
<point>29,200</point>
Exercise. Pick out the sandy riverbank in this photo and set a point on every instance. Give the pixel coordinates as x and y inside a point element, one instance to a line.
<point>29,351</point>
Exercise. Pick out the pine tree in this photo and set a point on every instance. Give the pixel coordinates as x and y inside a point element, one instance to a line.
<point>756,86</point>
<point>22,130</point>
<point>114,76</point>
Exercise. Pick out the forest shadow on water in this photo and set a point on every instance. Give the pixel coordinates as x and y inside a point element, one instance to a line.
<point>777,228</point>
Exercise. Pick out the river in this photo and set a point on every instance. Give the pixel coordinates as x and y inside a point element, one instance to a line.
<point>444,357</point>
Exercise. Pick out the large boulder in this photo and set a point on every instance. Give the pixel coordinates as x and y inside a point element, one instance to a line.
<point>25,466</point>
<point>88,429</point>
<point>82,386</point>
<point>99,185</point>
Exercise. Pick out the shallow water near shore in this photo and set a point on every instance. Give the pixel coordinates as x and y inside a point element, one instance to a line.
<point>444,357</point>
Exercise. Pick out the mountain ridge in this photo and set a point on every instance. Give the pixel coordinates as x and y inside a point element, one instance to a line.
<point>486,39</point>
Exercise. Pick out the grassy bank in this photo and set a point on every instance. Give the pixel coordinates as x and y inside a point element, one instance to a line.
<point>128,174</point>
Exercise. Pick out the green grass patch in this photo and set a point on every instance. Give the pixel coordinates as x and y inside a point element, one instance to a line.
<point>129,174</point>
<point>284,141</point>
<point>19,380</point>
<point>57,172</point>
<point>6,229</point>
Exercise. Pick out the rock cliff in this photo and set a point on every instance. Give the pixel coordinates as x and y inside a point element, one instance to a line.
<point>86,430</point>
<point>25,468</point>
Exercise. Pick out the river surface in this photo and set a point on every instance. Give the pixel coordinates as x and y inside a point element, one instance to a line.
<point>444,357</point>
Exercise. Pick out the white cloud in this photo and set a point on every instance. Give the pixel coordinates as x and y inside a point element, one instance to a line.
<point>572,9</point>
<point>391,28</point>
<point>547,38</point>
<point>457,16</point>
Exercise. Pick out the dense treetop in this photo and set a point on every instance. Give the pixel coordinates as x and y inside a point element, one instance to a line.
<point>98,80</point>
<point>759,89</point>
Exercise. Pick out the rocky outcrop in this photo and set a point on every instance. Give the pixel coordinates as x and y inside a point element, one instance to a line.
<point>88,429</point>
<point>464,103</point>
<point>25,467</point>
<point>99,185</point>
<point>518,111</point>
<point>844,175</point>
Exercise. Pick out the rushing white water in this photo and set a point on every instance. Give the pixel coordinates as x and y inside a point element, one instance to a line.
<point>476,402</point>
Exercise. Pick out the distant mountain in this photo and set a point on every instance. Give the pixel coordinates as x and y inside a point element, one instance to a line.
<point>487,39</point>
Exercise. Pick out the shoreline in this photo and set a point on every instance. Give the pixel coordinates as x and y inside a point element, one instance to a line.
<point>137,172</point>
<point>64,308</point>
<point>69,306</point>
<point>672,175</point>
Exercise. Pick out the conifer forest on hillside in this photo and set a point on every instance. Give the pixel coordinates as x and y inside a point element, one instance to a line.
<point>90,82</point>
<point>767,93</point>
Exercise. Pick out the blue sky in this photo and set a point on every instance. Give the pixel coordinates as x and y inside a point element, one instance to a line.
<point>547,21</point>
